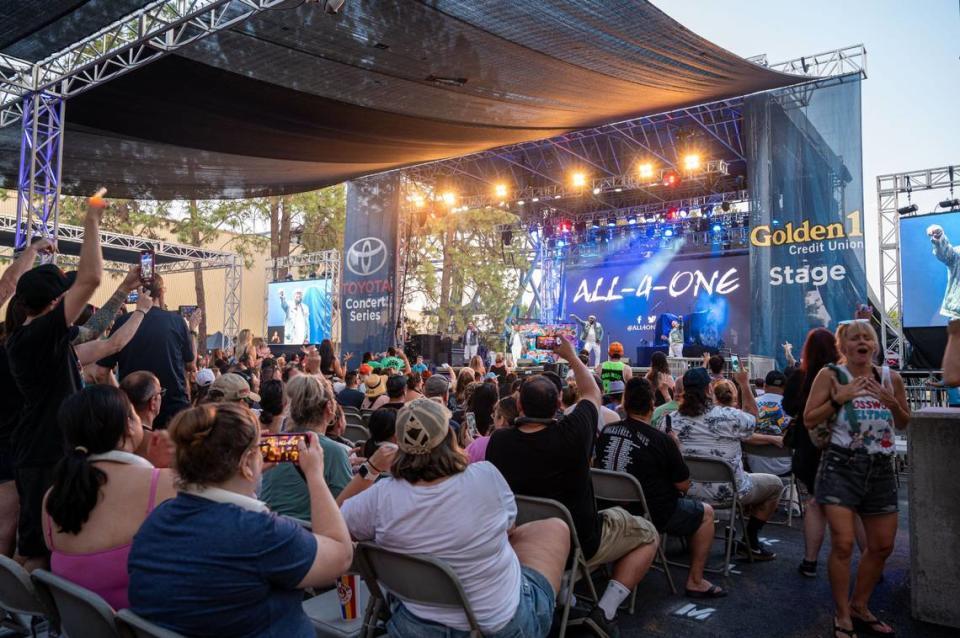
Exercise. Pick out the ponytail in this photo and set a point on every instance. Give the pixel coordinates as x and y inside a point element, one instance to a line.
<point>93,421</point>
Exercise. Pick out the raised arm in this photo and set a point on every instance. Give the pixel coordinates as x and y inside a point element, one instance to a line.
<point>103,318</point>
<point>747,400</point>
<point>23,263</point>
<point>581,373</point>
<point>90,268</point>
<point>97,349</point>
<point>577,319</point>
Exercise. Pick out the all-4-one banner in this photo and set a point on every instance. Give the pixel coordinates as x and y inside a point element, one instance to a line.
<point>368,278</point>
<point>806,185</point>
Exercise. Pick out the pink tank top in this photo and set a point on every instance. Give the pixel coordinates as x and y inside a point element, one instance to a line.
<point>103,572</point>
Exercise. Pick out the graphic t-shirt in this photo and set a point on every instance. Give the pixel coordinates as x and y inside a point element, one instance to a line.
<point>717,433</point>
<point>652,457</point>
<point>770,420</point>
<point>554,462</point>
<point>873,430</point>
<point>676,335</point>
<point>611,371</point>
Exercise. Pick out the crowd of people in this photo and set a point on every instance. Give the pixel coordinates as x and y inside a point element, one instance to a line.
<point>131,464</point>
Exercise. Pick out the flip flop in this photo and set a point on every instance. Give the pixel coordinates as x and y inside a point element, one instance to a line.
<point>846,632</point>
<point>869,627</point>
<point>714,592</point>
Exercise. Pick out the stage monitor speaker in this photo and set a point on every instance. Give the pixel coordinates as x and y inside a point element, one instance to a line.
<point>644,353</point>
<point>428,346</point>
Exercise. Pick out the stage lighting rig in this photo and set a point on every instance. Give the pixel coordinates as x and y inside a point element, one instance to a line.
<point>907,210</point>
<point>595,222</point>
<point>950,203</point>
<point>691,162</point>
<point>612,221</point>
<point>578,179</point>
<point>645,170</point>
<point>500,190</point>
<point>449,198</point>
<point>670,178</point>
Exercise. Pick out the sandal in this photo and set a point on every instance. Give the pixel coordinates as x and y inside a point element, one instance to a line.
<point>872,627</point>
<point>715,591</point>
<point>852,633</point>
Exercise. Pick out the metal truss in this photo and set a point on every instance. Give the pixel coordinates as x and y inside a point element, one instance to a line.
<point>126,44</point>
<point>833,63</point>
<point>41,151</point>
<point>889,190</point>
<point>326,265</point>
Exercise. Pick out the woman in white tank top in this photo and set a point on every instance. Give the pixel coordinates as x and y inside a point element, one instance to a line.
<point>863,404</point>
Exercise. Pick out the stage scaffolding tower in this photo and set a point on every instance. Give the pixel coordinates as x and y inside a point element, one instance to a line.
<point>890,190</point>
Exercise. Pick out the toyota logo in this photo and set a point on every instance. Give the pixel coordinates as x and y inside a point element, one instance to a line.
<point>366,256</point>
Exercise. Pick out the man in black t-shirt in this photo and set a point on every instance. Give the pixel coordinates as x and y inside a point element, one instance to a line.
<point>46,371</point>
<point>549,458</point>
<point>165,346</point>
<point>635,447</point>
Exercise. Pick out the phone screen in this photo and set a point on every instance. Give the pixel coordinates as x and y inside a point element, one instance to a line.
<point>146,266</point>
<point>735,363</point>
<point>133,296</point>
<point>280,448</point>
<point>186,311</point>
<point>547,342</point>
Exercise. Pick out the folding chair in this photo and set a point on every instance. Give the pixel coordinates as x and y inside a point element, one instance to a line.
<point>134,626</point>
<point>18,597</point>
<point>531,508</point>
<point>82,612</point>
<point>706,469</point>
<point>354,432</point>
<point>418,579</point>
<point>620,487</point>
<point>354,418</point>
<point>774,452</point>
<point>349,409</point>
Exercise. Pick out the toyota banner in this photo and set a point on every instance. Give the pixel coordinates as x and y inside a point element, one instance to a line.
<point>368,281</point>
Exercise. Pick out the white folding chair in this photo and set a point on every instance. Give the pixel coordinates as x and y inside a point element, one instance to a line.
<point>623,488</point>
<point>19,597</point>
<point>82,612</point>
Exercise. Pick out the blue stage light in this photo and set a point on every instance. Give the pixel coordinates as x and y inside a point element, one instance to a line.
<point>717,228</point>
<point>668,232</point>
<point>561,243</point>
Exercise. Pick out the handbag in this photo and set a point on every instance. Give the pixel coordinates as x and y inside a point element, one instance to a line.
<point>820,433</point>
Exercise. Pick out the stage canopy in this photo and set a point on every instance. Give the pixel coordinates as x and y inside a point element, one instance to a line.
<point>295,99</point>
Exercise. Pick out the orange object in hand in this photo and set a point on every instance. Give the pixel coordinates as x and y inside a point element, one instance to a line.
<point>97,199</point>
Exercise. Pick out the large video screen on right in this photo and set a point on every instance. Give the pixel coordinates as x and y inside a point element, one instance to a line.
<point>930,269</point>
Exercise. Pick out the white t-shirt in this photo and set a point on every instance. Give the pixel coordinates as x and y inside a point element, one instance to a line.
<point>605,416</point>
<point>462,521</point>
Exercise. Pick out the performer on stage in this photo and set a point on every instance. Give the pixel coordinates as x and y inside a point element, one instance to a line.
<point>296,325</point>
<point>676,339</point>
<point>471,342</point>
<point>515,339</point>
<point>591,334</point>
<point>950,256</point>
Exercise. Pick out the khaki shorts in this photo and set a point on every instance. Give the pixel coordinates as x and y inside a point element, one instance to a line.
<point>764,487</point>
<point>622,533</point>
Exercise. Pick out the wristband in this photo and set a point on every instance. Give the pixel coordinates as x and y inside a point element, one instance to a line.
<point>140,311</point>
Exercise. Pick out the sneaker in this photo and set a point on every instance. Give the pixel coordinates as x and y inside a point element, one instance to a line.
<point>598,621</point>
<point>808,568</point>
<point>760,553</point>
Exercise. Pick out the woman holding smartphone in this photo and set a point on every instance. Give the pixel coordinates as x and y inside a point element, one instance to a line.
<point>214,560</point>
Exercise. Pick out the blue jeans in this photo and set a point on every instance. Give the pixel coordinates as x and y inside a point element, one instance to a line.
<point>532,619</point>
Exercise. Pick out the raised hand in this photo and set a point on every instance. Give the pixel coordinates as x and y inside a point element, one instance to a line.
<point>850,391</point>
<point>132,280</point>
<point>311,456</point>
<point>195,318</point>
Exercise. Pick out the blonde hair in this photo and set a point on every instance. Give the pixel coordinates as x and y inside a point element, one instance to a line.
<point>210,441</point>
<point>308,401</point>
<point>853,328</point>
<point>724,392</point>
<point>244,338</point>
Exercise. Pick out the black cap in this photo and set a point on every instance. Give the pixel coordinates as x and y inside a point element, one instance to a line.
<point>38,287</point>
<point>775,379</point>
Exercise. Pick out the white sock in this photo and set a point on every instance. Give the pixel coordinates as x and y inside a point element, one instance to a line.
<point>564,594</point>
<point>610,601</point>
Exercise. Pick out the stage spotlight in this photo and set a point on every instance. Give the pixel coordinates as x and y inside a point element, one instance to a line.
<point>595,222</point>
<point>670,178</point>
<point>950,203</point>
<point>691,161</point>
<point>684,213</point>
<point>564,226</point>
<point>632,220</point>
<point>578,179</point>
<point>708,211</point>
<point>506,237</point>
<point>646,170</point>
<point>500,190</point>
<point>668,232</point>
<point>596,191</point>
<point>717,228</point>
<point>611,221</point>
<point>725,207</point>
<point>520,202</point>
<point>561,243</point>
<point>672,212</point>
<point>449,198</point>
<point>906,210</point>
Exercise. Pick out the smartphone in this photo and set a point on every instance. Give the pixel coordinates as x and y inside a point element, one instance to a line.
<point>735,363</point>
<point>147,264</point>
<point>280,448</point>
<point>133,296</point>
<point>547,342</point>
<point>186,311</point>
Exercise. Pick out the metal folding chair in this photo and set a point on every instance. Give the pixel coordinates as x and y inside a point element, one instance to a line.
<point>134,626</point>
<point>706,469</point>
<point>354,419</point>
<point>354,432</point>
<point>19,597</point>
<point>349,409</point>
<point>419,579</point>
<point>531,508</point>
<point>82,612</point>
<point>774,452</point>
<point>623,488</point>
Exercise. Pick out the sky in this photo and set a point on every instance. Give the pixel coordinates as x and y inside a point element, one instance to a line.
<point>912,92</point>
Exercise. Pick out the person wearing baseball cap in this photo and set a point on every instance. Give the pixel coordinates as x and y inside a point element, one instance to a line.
<point>771,422</point>
<point>46,371</point>
<point>232,387</point>
<point>615,369</point>
<point>511,575</point>
<point>708,429</point>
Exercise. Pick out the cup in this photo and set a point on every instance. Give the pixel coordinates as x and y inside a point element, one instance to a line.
<point>348,596</point>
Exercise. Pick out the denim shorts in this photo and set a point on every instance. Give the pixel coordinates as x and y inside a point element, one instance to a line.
<point>533,617</point>
<point>863,482</point>
<point>686,518</point>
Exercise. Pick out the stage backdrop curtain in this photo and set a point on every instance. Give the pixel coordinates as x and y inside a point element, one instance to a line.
<point>806,188</point>
<point>295,99</point>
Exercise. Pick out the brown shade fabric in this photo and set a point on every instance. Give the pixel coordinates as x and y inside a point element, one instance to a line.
<point>296,99</point>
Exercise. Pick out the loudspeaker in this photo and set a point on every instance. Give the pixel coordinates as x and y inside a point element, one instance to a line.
<point>428,346</point>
